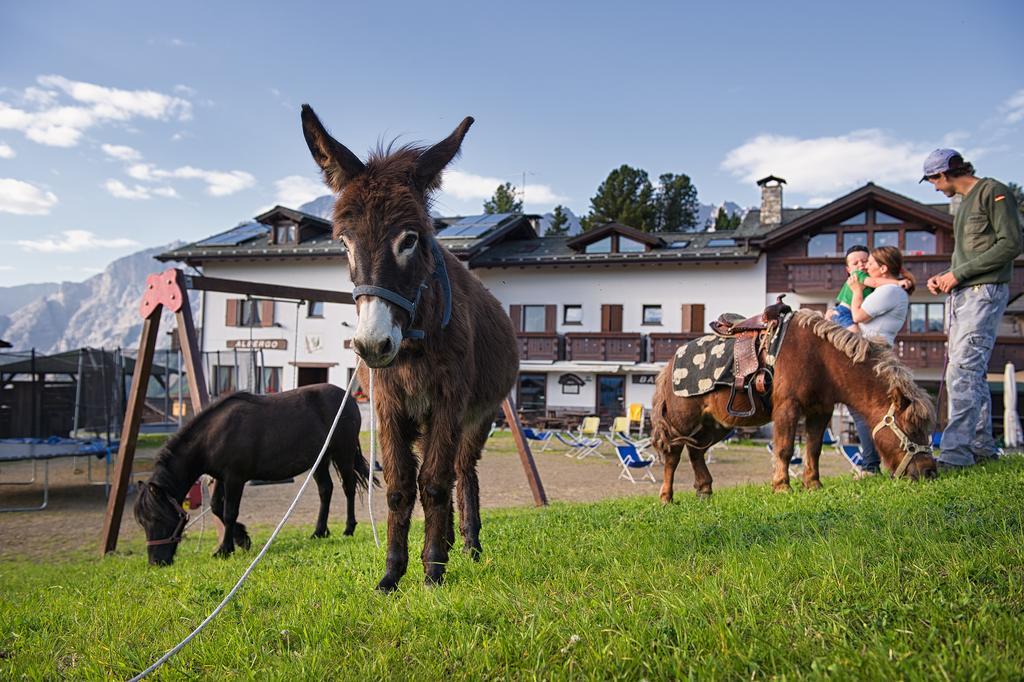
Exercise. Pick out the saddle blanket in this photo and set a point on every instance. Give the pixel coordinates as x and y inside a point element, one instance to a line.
<point>702,364</point>
<point>707,362</point>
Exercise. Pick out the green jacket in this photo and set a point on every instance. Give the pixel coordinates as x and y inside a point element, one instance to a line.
<point>987,233</point>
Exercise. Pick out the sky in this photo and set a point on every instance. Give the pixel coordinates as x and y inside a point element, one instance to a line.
<point>126,125</point>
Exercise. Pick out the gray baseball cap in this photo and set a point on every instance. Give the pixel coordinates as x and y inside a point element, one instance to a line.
<point>938,162</point>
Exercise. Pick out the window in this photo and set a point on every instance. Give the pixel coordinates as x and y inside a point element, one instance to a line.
<point>572,314</point>
<point>249,313</point>
<point>533,318</point>
<point>285,234</point>
<point>927,317</point>
<point>887,238</point>
<point>885,219</point>
<point>679,244</point>
<point>532,389</point>
<point>853,238</point>
<point>600,246</point>
<point>223,379</point>
<point>718,243</point>
<point>822,245</point>
<point>919,243</point>
<point>858,219</point>
<point>652,314</point>
<point>271,380</point>
<point>314,309</point>
<point>630,246</point>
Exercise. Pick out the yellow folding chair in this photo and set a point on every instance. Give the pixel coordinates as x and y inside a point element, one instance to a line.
<point>636,414</point>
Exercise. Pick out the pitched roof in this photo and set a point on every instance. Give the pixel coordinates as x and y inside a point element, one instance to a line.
<point>581,240</point>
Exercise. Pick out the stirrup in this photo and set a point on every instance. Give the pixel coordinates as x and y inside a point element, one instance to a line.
<point>732,397</point>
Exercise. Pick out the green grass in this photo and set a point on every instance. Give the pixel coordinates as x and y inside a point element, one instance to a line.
<point>872,579</point>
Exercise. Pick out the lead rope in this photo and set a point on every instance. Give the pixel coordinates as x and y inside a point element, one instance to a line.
<point>373,459</point>
<point>230,595</point>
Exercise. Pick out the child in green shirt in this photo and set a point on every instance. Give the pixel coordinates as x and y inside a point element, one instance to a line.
<point>856,262</point>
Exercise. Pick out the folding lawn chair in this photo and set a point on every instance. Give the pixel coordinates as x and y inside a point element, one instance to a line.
<point>539,436</point>
<point>629,458</point>
<point>578,447</point>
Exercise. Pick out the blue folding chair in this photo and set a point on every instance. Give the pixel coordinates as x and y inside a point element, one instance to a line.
<point>629,458</point>
<point>539,436</point>
<point>854,455</point>
<point>578,447</point>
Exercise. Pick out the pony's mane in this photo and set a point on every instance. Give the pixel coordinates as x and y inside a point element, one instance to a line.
<point>920,414</point>
<point>184,436</point>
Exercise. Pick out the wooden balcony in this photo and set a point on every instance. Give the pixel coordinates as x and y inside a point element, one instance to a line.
<point>604,346</point>
<point>814,275</point>
<point>539,346</point>
<point>928,351</point>
<point>663,346</point>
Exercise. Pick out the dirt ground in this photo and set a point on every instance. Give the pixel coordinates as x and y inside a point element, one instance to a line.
<point>72,522</point>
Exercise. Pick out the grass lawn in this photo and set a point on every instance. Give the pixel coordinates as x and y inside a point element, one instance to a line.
<point>871,579</point>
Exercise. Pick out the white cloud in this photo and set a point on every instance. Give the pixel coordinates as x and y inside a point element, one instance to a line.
<point>828,165</point>
<point>22,198</point>
<point>6,268</point>
<point>168,192</point>
<point>121,191</point>
<point>295,190</point>
<point>1013,107</point>
<point>72,241</point>
<point>6,152</point>
<point>62,125</point>
<point>218,183</point>
<point>121,152</point>
<point>468,187</point>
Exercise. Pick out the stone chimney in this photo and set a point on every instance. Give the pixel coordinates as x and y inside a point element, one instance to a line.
<point>771,200</point>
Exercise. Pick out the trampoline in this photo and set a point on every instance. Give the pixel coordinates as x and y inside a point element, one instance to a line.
<point>43,450</point>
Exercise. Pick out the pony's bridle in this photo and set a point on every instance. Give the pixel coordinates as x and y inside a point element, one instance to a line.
<point>178,530</point>
<point>440,273</point>
<point>909,447</point>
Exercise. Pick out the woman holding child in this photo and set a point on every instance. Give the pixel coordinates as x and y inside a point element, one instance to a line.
<point>879,317</point>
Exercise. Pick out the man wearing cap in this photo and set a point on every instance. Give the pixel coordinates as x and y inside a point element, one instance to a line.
<point>987,238</point>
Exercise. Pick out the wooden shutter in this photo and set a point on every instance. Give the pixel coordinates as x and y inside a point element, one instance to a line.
<point>611,318</point>
<point>550,318</point>
<point>266,313</point>
<point>231,318</point>
<point>693,317</point>
<point>516,313</point>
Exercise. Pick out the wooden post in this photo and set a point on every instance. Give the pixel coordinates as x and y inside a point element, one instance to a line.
<point>130,430</point>
<point>197,390</point>
<point>525,456</point>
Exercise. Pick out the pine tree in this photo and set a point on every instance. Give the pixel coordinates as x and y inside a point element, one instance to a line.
<point>724,221</point>
<point>504,200</point>
<point>676,203</point>
<point>626,196</point>
<point>1018,194</point>
<point>559,222</point>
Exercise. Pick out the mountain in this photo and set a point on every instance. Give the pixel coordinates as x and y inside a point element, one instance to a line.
<point>322,207</point>
<point>102,311</point>
<point>708,213</point>
<point>12,298</point>
<point>574,223</point>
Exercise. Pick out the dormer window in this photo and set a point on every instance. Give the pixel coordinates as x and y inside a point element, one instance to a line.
<point>627,245</point>
<point>286,233</point>
<point>600,246</point>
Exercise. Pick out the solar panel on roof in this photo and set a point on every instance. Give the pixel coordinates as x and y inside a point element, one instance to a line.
<point>722,242</point>
<point>472,227</point>
<point>233,237</point>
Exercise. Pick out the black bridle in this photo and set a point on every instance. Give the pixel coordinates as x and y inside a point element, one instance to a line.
<point>175,537</point>
<point>440,273</point>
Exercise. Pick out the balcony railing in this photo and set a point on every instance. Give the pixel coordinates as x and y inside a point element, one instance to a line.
<point>928,351</point>
<point>663,346</point>
<point>599,346</point>
<point>539,346</point>
<point>807,275</point>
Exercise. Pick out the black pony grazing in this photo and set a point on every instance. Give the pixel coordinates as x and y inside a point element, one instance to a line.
<point>243,437</point>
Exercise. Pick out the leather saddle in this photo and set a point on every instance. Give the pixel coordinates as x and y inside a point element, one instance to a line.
<point>751,371</point>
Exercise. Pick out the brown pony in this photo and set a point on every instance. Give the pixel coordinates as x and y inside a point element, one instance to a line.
<point>443,350</point>
<point>819,364</point>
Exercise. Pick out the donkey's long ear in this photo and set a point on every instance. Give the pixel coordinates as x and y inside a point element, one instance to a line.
<point>340,166</point>
<point>427,173</point>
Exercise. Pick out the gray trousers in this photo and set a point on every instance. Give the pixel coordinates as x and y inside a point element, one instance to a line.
<point>974,315</point>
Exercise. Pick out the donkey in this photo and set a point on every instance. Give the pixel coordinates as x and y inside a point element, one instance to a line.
<point>819,364</point>
<point>243,437</point>
<point>441,346</point>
